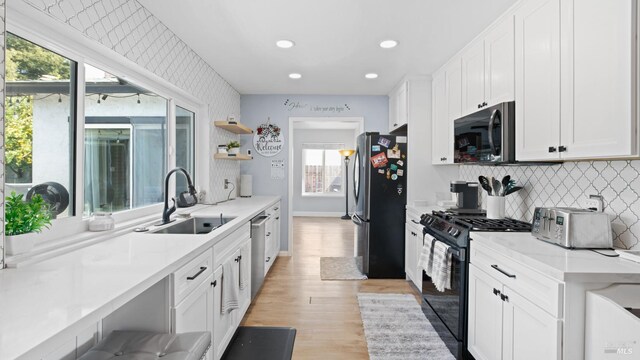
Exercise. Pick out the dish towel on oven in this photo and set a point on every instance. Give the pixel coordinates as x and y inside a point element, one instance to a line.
<point>426,255</point>
<point>245,256</point>
<point>229,287</point>
<point>441,271</point>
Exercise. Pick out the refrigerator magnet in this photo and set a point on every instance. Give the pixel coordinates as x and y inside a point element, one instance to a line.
<point>400,172</point>
<point>393,154</point>
<point>394,177</point>
<point>399,189</point>
<point>379,160</point>
<point>384,142</point>
<point>400,163</point>
<point>375,147</point>
<point>394,167</point>
<point>401,139</point>
<point>388,174</point>
<point>381,171</point>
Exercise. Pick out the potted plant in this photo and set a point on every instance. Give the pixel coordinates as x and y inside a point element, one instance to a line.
<point>233,147</point>
<point>23,221</point>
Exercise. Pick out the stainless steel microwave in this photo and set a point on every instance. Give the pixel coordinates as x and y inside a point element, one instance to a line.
<point>486,136</point>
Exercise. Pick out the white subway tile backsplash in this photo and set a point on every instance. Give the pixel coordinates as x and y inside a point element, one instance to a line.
<point>569,184</point>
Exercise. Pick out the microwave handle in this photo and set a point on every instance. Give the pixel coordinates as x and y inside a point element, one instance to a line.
<point>492,121</point>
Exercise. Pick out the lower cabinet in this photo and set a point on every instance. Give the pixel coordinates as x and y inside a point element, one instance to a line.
<point>195,312</point>
<point>412,249</point>
<point>505,325</point>
<point>223,323</point>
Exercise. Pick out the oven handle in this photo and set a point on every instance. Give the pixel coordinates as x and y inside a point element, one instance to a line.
<point>458,253</point>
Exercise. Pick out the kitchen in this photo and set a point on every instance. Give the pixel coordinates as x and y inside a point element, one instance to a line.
<point>152,87</point>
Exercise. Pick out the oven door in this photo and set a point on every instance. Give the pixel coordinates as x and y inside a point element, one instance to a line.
<point>450,305</point>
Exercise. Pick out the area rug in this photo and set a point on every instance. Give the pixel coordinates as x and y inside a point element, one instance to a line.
<point>341,268</point>
<point>396,328</point>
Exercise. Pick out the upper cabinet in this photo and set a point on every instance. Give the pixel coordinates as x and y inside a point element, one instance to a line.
<point>575,80</point>
<point>399,106</point>
<point>537,79</point>
<point>487,68</point>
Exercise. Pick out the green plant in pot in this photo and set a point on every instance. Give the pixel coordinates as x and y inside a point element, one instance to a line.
<point>23,221</point>
<point>233,147</point>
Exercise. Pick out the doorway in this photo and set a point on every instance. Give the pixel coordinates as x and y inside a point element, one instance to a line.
<point>316,180</point>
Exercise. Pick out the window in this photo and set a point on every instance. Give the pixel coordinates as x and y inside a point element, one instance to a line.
<point>40,124</point>
<point>322,170</point>
<point>185,146</point>
<point>125,144</point>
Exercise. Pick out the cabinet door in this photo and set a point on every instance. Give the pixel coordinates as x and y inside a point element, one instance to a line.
<point>224,324</point>
<point>195,312</point>
<point>529,333</point>
<point>410,264</point>
<point>442,126</point>
<point>598,78</point>
<point>538,80</point>
<point>402,105</point>
<point>393,111</point>
<point>473,78</point>
<point>276,235</point>
<point>485,316</point>
<point>417,246</point>
<point>499,55</point>
<point>245,263</point>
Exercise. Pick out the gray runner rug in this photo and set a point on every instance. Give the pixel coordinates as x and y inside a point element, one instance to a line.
<point>396,328</point>
<point>341,268</point>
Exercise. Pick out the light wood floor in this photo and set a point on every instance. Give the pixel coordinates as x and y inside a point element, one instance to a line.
<point>325,313</point>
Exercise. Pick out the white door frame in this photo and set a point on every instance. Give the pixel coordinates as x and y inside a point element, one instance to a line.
<point>358,122</point>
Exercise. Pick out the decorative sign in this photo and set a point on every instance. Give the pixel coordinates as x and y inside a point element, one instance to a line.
<point>293,105</point>
<point>277,169</point>
<point>268,139</point>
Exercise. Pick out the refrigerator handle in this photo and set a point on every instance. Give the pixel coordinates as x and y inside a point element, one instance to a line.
<point>356,167</point>
<point>356,219</point>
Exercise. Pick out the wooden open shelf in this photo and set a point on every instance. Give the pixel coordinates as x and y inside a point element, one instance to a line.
<point>232,157</point>
<point>234,127</point>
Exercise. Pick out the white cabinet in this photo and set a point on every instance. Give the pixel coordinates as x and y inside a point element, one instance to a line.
<point>399,106</point>
<point>598,80</point>
<point>499,52</point>
<point>505,325</point>
<point>487,68</point>
<point>272,229</point>
<point>195,312</point>
<point>473,78</point>
<point>447,106</point>
<point>412,248</point>
<point>583,106</point>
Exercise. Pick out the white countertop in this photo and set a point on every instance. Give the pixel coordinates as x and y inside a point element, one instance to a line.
<point>62,294</point>
<point>557,262</point>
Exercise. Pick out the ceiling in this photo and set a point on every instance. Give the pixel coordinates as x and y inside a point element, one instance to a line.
<point>336,40</point>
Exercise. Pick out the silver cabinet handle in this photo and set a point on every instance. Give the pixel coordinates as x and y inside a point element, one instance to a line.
<point>496,267</point>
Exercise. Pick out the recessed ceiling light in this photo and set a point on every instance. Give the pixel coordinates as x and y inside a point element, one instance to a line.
<point>285,44</point>
<point>295,76</point>
<point>371,76</point>
<point>388,44</point>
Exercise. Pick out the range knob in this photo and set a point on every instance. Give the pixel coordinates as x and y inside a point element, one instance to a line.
<point>454,232</point>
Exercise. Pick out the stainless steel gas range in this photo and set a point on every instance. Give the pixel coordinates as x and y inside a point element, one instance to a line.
<point>447,310</point>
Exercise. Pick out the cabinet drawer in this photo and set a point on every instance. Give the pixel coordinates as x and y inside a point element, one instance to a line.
<point>546,293</point>
<point>232,241</point>
<point>188,277</point>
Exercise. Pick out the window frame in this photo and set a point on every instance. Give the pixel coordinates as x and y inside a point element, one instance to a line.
<point>33,26</point>
<point>324,147</point>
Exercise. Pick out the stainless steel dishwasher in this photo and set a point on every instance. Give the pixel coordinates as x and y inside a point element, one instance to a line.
<point>258,239</point>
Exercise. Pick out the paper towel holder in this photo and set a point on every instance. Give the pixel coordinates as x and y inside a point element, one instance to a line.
<point>246,185</point>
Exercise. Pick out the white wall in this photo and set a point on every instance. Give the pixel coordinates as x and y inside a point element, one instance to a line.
<point>304,205</point>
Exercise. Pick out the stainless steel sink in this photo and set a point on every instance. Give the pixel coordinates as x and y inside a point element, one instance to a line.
<point>195,225</point>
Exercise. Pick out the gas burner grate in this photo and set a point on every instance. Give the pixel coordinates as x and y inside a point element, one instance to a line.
<point>481,223</point>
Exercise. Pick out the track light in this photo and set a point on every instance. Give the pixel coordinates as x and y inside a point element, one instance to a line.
<point>99,98</point>
<point>105,96</point>
<point>59,98</point>
<point>138,98</point>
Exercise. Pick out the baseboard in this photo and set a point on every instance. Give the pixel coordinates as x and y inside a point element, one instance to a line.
<point>284,253</point>
<point>318,214</point>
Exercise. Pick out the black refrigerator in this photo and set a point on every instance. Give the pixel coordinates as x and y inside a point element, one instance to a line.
<point>380,189</point>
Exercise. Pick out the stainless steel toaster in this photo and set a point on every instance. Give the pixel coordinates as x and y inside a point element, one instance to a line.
<point>572,228</point>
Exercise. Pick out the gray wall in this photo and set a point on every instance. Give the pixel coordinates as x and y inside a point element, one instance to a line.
<point>256,108</point>
<point>316,203</point>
